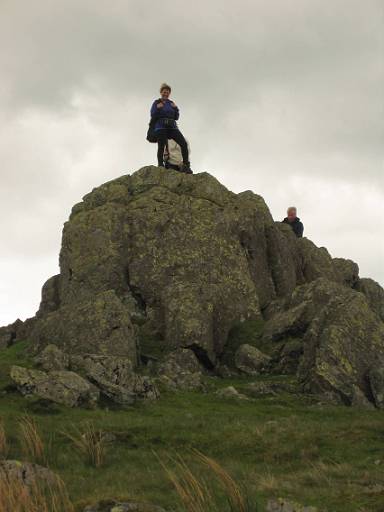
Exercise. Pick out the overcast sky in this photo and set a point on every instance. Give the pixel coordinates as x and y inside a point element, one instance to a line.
<point>284,97</point>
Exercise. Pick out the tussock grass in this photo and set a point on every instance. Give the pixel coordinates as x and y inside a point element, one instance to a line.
<point>197,495</point>
<point>15,496</point>
<point>89,442</point>
<point>31,442</point>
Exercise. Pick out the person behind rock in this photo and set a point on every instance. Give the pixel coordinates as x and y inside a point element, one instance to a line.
<point>165,114</point>
<point>293,220</point>
<point>173,158</point>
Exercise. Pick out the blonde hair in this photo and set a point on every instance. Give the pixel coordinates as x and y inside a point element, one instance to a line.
<point>165,86</point>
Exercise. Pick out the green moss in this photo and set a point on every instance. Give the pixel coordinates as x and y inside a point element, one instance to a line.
<point>16,354</point>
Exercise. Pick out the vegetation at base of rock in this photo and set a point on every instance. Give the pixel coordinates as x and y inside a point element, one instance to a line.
<point>283,444</point>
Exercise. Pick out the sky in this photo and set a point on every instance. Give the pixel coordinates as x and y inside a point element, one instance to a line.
<point>281,97</point>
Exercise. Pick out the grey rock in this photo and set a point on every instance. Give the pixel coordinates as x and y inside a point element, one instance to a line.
<point>26,473</point>
<point>116,378</point>
<point>118,506</point>
<point>180,370</point>
<point>99,325</point>
<point>59,386</point>
<point>250,360</point>
<point>232,393</point>
<point>282,505</point>
<point>376,380</point>
<point>374,294</point>
<point>52,358</point>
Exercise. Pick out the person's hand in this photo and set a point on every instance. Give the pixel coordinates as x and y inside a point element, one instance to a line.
<point>160,105</point>
<point>173,104</point>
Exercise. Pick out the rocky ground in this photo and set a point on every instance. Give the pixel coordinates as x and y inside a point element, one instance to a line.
<point>182,306</point>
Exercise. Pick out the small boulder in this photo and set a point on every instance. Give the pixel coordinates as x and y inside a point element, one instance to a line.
<point>281,505</point>
<point>116,378</point>
<point>250,360</point>
<point>118,506</point>
<point>26,473</point>
<point>259,389</point>
<point>231,392</point>
<point>59,386</point>
<point>181,370</point>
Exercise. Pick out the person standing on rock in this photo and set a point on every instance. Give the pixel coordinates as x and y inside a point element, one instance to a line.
<point>293,220</point>
<point>164,114</point>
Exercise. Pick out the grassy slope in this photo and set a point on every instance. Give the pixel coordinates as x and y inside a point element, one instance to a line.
<point>280,446</point>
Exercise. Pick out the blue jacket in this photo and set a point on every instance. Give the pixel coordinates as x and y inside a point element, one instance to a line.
<point>166,112</point>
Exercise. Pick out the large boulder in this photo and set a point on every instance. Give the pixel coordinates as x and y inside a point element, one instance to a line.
<point>342,339</point>
<point>194,257</point>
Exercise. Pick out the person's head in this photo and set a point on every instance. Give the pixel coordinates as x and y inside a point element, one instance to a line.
<point>291,213</point>
<point>165,91</point>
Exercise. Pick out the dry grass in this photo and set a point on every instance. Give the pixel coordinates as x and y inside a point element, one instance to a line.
<point>4,447</point>
<point>267,482</point>
<point>194,492</point>
<point>15,496</point>
<point>235,496</point>
<point>31,443</point>
<point>90,443</point>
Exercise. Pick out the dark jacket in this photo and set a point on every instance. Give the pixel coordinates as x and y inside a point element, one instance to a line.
<point>167,112</point>
<point>296,225</point>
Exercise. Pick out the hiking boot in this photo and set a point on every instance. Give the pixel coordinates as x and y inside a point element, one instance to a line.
<point>186,169</point>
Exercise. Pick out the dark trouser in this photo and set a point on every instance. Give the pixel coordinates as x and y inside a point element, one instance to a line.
<point>169,133</point>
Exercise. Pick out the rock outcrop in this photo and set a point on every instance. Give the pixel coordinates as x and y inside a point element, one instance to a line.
<point>159,262</point>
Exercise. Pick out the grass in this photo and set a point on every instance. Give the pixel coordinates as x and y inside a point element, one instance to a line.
<point>327,456</point>
<point>89,442</point>
<point>198,494</point>
<point>32,446</point>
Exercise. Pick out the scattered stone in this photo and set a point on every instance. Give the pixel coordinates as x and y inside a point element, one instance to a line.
<point>281,505</point>
<point>231,392</point>
<point>118,506</point>
<point>250,360</point>
<point>259,389</point>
